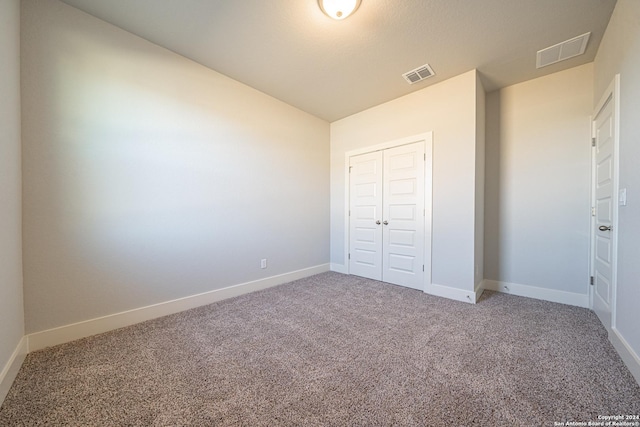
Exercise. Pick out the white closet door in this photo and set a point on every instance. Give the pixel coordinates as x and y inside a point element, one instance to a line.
<point>365,209</point>
<point>403,215</point>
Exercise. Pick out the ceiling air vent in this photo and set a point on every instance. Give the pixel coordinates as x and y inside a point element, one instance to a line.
<point>419,74</point>
<point>561,51</point>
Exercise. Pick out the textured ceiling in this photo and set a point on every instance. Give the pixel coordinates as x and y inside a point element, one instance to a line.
<point>290,50</point>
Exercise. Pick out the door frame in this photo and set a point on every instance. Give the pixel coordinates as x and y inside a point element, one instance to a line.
<point>612,95</point>
<point>427,137</point>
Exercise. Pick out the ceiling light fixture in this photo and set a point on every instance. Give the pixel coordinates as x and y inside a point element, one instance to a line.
<point>338,9</point>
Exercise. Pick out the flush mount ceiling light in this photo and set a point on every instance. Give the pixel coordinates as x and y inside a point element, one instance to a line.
<point>338,9</point>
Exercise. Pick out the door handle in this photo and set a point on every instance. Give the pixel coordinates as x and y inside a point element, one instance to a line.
<point>378,222</point>
<point>604,228</point>
<point>385,222</point>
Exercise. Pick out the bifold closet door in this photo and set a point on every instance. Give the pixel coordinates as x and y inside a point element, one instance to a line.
<point>386,206</point>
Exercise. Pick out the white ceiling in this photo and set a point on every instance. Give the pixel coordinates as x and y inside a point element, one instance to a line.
<point>290,50</point>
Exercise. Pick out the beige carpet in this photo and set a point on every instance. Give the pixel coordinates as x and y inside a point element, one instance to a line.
<point>334,350</point>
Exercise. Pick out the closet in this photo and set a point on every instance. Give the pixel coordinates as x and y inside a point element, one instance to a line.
<point>387,215</point>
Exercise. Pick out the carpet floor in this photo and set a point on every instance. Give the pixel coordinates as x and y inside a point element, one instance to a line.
<point>334,350</point>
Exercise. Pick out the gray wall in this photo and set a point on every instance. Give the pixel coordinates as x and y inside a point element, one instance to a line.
<point>449,110</point>
<point>148,177</point>
<point>538,172</point>
<point>620,53</point>
<point>11,307</point>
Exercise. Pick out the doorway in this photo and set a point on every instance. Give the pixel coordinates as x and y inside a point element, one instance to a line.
<point>605,205</point>
<point>389,215</point>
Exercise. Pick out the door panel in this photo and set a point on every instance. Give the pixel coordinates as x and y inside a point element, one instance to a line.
<point>365,207</point>
<point>403,214</point>
<point>400,187</point>
<point>402,238</point>
<point>401,263</point>
<point>604,204</point>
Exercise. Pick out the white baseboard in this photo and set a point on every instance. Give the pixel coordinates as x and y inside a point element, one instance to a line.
<point>67,333</point>
<point>453,293</point>
<point>339,268</point>
<point>10,370</point>
<point>629,357</point>
<point>553,295</point>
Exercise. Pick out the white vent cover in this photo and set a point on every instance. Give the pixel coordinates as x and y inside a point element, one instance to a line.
<point>419,74</point>
<point>561,51</point>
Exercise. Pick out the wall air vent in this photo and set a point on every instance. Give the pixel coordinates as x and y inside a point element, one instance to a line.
<point>561,51</point>
<point>419,74</point>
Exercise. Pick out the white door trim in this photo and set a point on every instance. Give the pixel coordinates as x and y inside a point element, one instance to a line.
<point>428,196</point>
<point>592,214</point>
<point>612,95</point>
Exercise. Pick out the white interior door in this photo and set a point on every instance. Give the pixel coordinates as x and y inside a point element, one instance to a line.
<point>365,210</point>
<point>605,205</point>
<point>386,215</point>
<point>403,215</point>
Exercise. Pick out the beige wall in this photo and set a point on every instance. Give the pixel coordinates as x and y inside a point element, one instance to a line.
<point>11,306</point>
<point>619,52</point>
<point>449,110</point>
<point>538,182</point>
<point>148,177</point>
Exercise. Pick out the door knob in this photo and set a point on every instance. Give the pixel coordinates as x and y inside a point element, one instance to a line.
<point>604,228</point>
<point>385,222</point>
<point>378,222</point>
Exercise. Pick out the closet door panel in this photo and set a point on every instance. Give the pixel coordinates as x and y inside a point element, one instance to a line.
<point>403,215</point>
<point>365,207</point>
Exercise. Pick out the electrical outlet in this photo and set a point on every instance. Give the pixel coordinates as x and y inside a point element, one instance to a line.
<point>263,263</point>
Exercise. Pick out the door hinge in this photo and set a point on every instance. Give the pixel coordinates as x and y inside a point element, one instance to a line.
<point>591,281</point>
<point>422,267</point>
<point>349,256</point>
<point>425,157</point>
<point>593,211</point>
<point>349,212</point>
<point>350,167</point>
<point>593,141</point>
